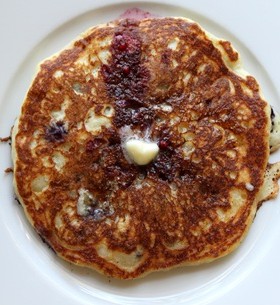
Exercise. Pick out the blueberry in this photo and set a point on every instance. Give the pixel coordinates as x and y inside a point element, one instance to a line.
<point>98,214</point>
<point>56,132</point>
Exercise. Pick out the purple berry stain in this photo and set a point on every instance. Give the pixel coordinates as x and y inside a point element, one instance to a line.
<point>55,132</point>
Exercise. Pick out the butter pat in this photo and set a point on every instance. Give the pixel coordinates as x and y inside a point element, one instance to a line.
<point>140,151</point>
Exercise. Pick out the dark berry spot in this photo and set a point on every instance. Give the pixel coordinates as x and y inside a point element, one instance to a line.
<point>106,70</point>
<point>126,78</point>
<point>123,117</point>
<point>126,69</point>
<point>98,214</point>
<point>122,46</point>
<point>92,145</point>
<point>163,144</point>
<point>122,104</point>
<point>143,117</point>
<point>55,132</point>
<point>208,101</point>
<point>120,42</point>
<point>101,211</point>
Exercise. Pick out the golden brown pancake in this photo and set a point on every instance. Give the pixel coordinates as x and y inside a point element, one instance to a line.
<point>163,81</point>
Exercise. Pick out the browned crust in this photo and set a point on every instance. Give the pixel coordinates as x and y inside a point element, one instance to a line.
<point>232,54</point>
<point>157,219</point>
<point>9,170</point>
<point>6,139</point>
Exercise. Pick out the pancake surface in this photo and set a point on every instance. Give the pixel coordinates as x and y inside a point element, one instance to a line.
<point>164,80</point>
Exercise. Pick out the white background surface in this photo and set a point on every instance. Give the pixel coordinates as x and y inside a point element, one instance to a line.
<point>23,24</point>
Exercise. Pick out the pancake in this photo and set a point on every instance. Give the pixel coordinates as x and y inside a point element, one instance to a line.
<point>144,145</point>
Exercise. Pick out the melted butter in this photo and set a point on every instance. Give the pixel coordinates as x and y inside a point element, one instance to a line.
<point>141,151</point>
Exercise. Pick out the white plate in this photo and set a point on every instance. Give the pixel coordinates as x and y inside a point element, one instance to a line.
<point>29,272</point>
